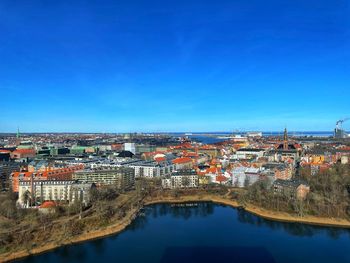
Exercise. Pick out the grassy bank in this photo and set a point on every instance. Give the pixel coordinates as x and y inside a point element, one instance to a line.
<point>90,235</point>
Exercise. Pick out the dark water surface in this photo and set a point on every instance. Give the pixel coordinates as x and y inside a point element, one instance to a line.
<point>208,233</point>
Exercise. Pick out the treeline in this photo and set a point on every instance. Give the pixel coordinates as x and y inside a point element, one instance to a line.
<point>330,192</point>
<point>329,195</point>
<point>29,228</point>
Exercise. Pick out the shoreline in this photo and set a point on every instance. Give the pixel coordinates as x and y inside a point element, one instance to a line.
<point>261,212</point>
<point>120,226</point>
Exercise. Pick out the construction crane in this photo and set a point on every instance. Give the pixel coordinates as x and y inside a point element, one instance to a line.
<point>339,133</point>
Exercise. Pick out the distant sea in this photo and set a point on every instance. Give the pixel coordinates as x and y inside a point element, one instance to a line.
<point>212,137</point>
<point>265,133</point>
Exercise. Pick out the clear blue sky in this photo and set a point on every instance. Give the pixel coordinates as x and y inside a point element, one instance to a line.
<point>155,65</point>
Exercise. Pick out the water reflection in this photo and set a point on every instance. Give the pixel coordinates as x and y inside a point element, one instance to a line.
<point>150,239</point>
<point>183,211</point>
<point>204,209</point>
<point>68,254</point>
<point>99,246</point>
<point>139,223</point>
<point>176,211</point>
<point>295,229</point>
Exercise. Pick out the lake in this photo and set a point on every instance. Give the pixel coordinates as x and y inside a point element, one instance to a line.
<point>207,232</point>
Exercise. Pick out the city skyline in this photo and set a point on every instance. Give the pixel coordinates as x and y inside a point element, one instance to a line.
<point>143,66</point>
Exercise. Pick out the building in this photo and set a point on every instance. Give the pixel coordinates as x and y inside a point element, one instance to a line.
<point>254,134</point>
<point>248,153</point>
<point>38,166</point>
<point>125,154</point>
<point>181,179</point>
<point>23,153</point>
<point>36,192</point>
<point>286,149</point>
<point>183,163</point>
<point>203,179</point>
<point>6,168</point>
<point>130,147</point>
<point>150,169</point>
<point>144,148</point>
<point>344,160</point>
<point>121,177</point>
<point>59,151</point>
<point>291,188</point>
<point>239,177</point>
<point>282,171</point>
<point>77,150</point>
<point>5,155</point>
<point>245,176</point>
<point>50,174</point>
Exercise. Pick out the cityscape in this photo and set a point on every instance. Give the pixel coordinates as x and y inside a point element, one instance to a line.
<point>175,131</point>
<point>91,184</point>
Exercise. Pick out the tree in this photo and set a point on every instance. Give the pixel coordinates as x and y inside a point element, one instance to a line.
<point>75,227</point>
<point>186,182</point>
<point>26,197</point>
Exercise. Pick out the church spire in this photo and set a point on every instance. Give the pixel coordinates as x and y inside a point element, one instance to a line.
<point>285,139</point>
<point>18,140</point>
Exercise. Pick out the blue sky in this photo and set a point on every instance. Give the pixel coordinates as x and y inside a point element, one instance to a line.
<point>151,65</point>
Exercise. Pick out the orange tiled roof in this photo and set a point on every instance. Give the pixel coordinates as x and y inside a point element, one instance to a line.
<point>153,153</point>
<point>50,172</point>
<point>204,147</point>
<point>345,148</point>
<point>221,178</point>
<point>25,174</point>
<point>182,160</point>
<point>24,151</point>
<point>160,159</point>
<point>48,204</point>
<point>190,154</point>
<point>211,170</point>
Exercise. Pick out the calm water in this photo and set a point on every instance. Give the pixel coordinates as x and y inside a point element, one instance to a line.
<point>209,233</point>
<point>212,139</point>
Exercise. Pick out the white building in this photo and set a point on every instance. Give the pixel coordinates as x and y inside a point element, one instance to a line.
<point>150,169</point>
<point>120,177</point>
<point>129,146</point>
<point>245,176</point>
<point>52,190</point>
<point>246,153</point>
<point>344,159</point>
<point>253,175</point>
<point>181,179</point>
<point>238,177</point>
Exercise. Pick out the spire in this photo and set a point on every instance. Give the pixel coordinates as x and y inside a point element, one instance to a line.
<point>18,140</point>
<point>285,139</point>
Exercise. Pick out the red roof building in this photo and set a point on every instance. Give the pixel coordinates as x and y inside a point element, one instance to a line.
<point>48,204</point>
<point>23,153</point>
<point>53,174</point>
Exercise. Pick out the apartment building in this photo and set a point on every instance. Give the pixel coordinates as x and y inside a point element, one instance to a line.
<point>181,179</point>
<point>34,192</point>
<point>122,177</point>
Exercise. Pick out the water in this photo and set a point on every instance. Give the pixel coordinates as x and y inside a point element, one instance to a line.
<point>264,133</point>
<point>212,137</point>
<point>208,233</point>
<point>206,139</point>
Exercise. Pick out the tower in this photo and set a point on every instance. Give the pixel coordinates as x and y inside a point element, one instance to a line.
<point>18,140</point>
<point>285,140</point>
